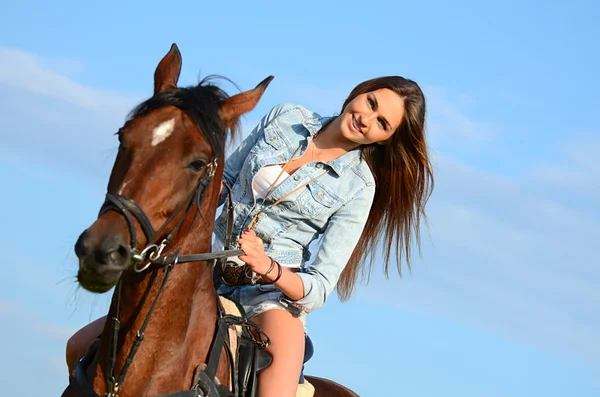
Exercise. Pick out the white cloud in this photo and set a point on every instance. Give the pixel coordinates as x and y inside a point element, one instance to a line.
<point>578,171</point>
<point>447,118</point>
<point>8,308</point>
<point>51,119</point>
<point>31,318</point>
<point>26,71</point>
<point>512,255</point>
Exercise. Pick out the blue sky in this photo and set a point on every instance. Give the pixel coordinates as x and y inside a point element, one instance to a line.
<point>504,300</point>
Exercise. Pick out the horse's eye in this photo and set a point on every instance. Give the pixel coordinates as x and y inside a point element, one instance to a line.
<point>119,135</point>
<point>197,165</point>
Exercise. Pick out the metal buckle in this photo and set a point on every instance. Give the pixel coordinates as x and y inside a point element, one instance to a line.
<point>254,277</point>
<point>155,252</point>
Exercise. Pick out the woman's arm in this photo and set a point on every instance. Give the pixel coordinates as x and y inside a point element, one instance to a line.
<point>312,288</point>
<point>343,232</point>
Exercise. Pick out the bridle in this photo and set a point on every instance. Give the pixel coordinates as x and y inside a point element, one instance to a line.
<point>152,254</point>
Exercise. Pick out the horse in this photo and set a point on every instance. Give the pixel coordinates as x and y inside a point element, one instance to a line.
<point>163,327</point>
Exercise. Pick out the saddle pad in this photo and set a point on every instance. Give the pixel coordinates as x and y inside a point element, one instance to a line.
<point>235,331</point>
<point>304,389</point>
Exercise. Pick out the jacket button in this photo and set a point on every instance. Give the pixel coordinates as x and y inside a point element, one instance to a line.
<point>319,165</point>
<point>296,177</point>
<point>273,138</point>
<point>320,194</point>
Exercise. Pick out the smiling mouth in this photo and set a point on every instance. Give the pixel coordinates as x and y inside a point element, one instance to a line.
<point>355,125</point>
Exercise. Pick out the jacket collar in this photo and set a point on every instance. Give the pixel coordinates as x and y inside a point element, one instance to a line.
<point>342,163</point>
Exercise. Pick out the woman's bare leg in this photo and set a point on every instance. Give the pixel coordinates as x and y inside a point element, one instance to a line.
<point>78,344</point>
<point>286,333</point>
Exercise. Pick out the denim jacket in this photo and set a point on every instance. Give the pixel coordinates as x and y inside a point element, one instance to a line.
<point>334,206</point>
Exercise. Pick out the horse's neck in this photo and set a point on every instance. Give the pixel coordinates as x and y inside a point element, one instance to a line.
<point>180,330</point>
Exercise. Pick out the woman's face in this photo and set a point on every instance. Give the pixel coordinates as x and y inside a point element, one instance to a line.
<point>372,117</point>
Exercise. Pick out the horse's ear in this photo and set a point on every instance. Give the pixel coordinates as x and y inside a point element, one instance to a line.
<point>233,107</point>
<point>167,72</point>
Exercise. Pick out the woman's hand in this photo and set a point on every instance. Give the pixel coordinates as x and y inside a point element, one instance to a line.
<point>289,283</point>
<point>254,249</point>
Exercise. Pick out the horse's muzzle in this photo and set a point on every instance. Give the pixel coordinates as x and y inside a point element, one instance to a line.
<point>101,261</point>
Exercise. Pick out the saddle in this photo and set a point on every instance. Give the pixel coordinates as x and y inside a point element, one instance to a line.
<point>250,358</point>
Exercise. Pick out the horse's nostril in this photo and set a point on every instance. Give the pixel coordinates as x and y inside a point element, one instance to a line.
<point>111,252</point>
<point>101,256</point>
<point>123,251</point>
<point>119,255</point>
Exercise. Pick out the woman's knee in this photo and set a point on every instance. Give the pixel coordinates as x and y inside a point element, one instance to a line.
<point>73,350</point>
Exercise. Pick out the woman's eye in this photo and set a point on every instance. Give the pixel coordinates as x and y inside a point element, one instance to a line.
<point>371,103</point>
<point>197,165</point>
<point>382,123</point>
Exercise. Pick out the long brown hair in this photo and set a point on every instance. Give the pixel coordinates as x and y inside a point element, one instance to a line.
<point>404,182</point>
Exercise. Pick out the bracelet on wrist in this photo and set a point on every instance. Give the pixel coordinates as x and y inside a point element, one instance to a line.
<point>271,267</point>
<point>278,274</point>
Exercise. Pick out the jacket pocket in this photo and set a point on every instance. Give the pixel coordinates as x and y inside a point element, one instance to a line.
<point>315,200</point>
<point>272,138</point>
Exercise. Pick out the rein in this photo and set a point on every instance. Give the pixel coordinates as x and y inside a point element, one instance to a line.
<point>152,254</point>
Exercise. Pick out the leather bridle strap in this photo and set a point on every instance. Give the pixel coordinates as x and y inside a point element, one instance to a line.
<point>115,382</point>
<point>128,207</point>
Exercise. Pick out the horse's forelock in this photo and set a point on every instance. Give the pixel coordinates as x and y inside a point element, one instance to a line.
<point>201,103</point>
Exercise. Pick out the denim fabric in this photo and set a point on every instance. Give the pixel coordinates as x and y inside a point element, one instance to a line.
<point>256,299</point>
<point>334,207</point>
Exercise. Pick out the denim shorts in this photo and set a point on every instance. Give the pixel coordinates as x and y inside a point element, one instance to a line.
<point>259,298</point>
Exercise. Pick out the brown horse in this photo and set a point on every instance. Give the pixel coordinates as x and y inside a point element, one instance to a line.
<point>163,320</point>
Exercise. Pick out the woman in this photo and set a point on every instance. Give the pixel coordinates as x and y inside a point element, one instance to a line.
<point>350,180</point>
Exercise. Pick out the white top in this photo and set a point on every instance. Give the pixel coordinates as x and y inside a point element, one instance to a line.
<point>265,178</point>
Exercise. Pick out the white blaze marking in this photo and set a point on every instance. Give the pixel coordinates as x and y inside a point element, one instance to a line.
<point>163,131</point>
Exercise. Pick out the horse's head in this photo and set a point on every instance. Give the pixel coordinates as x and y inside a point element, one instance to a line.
<point>169,150</point>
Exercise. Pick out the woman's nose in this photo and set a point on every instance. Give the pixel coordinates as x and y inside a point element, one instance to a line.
<point>368,118</point>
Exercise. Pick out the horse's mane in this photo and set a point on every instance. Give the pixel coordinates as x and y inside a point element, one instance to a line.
<point>200,103</point>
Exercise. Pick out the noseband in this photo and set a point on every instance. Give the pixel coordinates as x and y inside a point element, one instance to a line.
<point>152,254</point>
